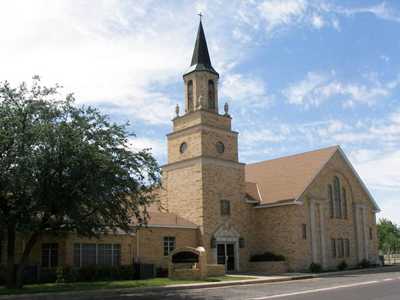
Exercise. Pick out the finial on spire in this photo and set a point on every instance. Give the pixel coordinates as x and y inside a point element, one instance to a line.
<point>200,15</point>
<point>177,110</point>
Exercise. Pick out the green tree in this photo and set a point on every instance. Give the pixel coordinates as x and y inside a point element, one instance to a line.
<point>65,168</point>
<point>389,236</point>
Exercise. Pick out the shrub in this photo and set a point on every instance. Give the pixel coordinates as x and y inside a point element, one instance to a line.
<point>88,273</point>
<point>60,275</point>
<point>70,274</point>
<point>162,272</point>
<point>342,266</point>
<point>315,268</point>
<point>92,273</point>
<point>126,272</point>
<point>267,256</point>
<point>2,275</point>
<point>364,263</point>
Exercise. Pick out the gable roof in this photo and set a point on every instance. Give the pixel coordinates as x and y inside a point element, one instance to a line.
<point>284,180</point>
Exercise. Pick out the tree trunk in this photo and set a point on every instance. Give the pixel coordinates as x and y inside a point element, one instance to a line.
<point>24,259</point>
<point>11,278</point>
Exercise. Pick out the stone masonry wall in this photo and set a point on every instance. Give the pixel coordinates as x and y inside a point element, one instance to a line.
<point>279,230</point>
<point>342,228</point>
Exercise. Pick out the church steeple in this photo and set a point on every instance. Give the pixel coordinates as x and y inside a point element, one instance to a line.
<point>201,80</point>
<point>201,58</point>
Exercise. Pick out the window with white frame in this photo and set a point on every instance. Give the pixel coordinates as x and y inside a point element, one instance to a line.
<point>49,255</point>
<point>169,245</point>
<point>89,254</point>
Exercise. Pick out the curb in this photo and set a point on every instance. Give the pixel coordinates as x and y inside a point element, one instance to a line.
<point>96,294</point>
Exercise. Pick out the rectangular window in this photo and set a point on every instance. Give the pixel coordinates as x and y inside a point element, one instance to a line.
<point>331,202</point>
<point>49,255</point>
<point>371,236</point>
<point>333,246</point>
<point>347,248</point>
<point>169,245</point>
<point>225,208</point>
<point>304,231</point>
<point>97,254</point>
<point>337,197</point>
<point>344,203</point>
<point>340,248</point>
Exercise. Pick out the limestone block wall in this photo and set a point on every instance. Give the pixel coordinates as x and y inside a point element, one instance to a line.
<point>193,141</point>
<point>150,247</point>
<point>184,186</point>
<point>279,230</point>
<point>210,137</point>
<point>226,182</point>
<point>343,228</point>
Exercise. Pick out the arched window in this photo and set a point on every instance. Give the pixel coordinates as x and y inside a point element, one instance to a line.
<point>338,198</point>
<point>211,95</point>
<point>190,95</point>
<point>331,202</point>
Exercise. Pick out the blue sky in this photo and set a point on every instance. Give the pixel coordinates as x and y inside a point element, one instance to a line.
<point>298,75</point>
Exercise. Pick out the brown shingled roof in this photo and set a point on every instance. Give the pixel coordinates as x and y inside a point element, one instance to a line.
<point>285,179</point>
<point>252,191</point>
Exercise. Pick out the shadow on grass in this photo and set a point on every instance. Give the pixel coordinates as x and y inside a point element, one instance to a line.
<point>107,285</point>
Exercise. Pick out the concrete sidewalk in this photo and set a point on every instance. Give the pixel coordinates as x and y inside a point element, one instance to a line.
<point>259,278</point>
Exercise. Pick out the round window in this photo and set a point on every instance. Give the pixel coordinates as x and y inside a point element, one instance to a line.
<point>183,147</point>
<point>220,147</point>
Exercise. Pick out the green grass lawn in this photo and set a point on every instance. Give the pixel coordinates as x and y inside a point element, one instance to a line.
<point>84,286</point>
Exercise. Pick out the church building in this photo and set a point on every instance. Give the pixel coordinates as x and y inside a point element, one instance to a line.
<point>310,207</point>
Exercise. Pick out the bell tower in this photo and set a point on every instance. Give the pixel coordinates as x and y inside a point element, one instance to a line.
<point>201,80</point>
<point>203,172</point>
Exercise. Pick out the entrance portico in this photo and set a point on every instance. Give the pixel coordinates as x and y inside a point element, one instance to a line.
<point>226,251</point>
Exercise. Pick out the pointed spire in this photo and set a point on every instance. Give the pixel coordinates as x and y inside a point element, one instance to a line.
<point>201,59</point>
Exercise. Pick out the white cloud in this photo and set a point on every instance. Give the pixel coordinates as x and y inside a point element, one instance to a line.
<point>245,90</point>
<point>381,10</point>
<point>282,12</point>
<point>317,21</point>
<point>157,147</point>
<point>383,171</point>
<point>303,92</point>
<point>336,24</point>
<point>105,52</point>
<point>317,88</point>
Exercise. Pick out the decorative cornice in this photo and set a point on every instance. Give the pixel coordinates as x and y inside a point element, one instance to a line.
<point>199,127</point>
<point>202,160</point>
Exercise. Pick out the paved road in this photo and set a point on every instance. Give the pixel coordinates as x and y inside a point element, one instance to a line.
<point>384,285</point>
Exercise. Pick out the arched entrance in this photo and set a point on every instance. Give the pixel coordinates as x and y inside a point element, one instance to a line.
<point>226,251</point>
